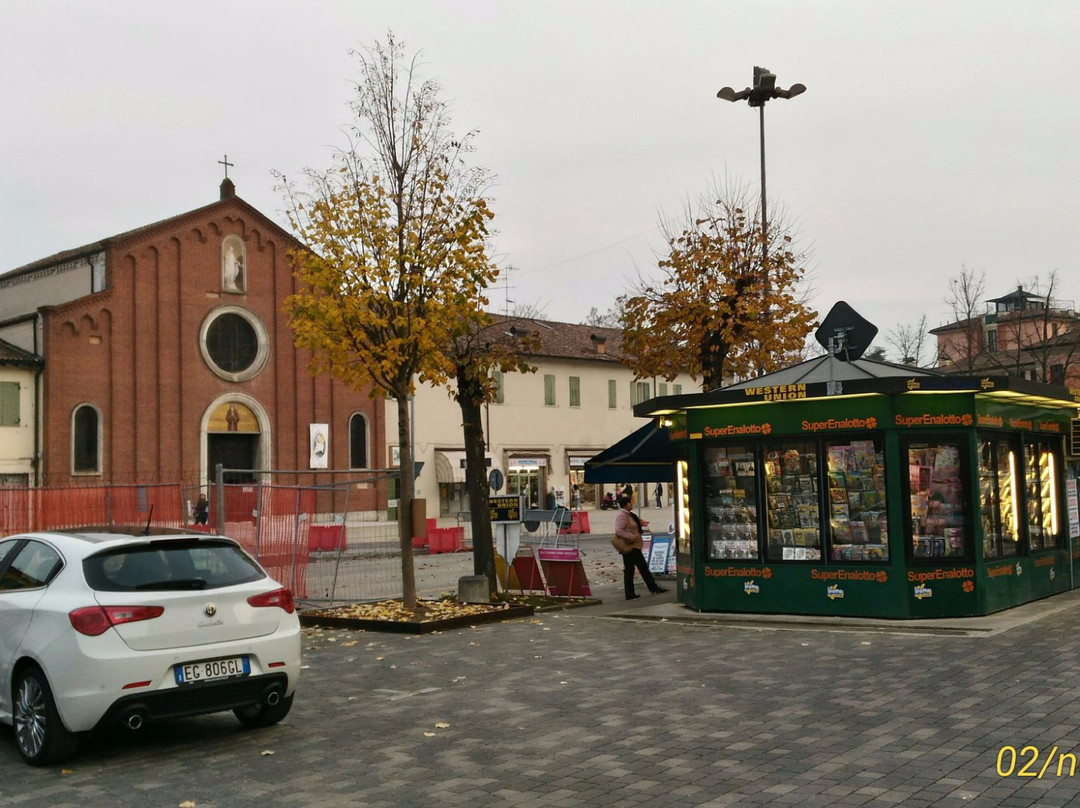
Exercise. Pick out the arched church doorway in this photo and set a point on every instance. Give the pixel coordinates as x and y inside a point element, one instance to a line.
<point>232,440</point>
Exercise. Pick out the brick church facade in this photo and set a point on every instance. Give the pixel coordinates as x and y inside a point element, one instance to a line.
<point>165,351</point>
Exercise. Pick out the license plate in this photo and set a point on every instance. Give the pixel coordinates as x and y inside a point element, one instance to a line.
<point>210,669</point>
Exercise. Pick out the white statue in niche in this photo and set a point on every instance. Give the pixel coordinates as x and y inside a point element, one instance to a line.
<point>232,265</point>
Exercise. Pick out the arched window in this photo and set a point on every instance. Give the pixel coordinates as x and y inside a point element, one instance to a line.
<point>86,440</point>
<point>358,443</point>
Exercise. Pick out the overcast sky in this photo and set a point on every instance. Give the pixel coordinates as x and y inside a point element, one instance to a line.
<point>933,135</point>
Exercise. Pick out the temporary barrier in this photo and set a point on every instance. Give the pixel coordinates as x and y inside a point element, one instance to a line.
<point>579,523</point>
<point>313,539</point>
<point>446,539</point>
<point>422,541</point>
<point>25,509</point>
<point>527,571</point>
<point>326,537</point>
<point>564,572</point>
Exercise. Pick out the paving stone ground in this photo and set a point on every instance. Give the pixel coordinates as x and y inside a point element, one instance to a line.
<point>587,708</point>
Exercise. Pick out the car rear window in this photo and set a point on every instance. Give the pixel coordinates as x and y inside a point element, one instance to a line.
<point>176,565</point>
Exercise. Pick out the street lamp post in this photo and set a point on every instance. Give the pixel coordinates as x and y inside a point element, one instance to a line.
<point>763,90</point>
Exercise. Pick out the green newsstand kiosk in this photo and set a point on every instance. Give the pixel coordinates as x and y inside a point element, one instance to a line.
<point>868,489</point>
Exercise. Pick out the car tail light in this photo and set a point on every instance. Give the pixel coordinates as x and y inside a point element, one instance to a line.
<point>95,620</point>
<point>281,598</point>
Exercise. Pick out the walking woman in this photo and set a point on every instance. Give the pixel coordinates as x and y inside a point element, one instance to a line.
<point>628,529</point>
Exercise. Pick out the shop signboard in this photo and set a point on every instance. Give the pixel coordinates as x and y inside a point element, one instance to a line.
<point>940,411</point>
<point>506,509</point>
<point>1003,415</point>
<point>855,414</point>
<point>1072,504</point>
<point>802,589</point>
<point>1006,583</point>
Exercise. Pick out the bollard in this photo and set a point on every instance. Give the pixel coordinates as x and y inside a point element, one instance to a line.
<point>473,589</point>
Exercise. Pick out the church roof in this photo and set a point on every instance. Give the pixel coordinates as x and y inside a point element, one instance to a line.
<point>97,246</point>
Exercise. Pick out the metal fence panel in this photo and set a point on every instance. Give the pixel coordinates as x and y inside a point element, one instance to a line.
<point>330,544</point>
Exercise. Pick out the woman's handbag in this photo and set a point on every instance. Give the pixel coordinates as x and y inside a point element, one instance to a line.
<point>621,544</point>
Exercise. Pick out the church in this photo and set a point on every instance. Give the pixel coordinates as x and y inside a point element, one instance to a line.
<point>157,354</point>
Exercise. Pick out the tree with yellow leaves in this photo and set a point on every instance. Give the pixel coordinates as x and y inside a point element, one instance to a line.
<point>396,260</point>
<point>724,306</point>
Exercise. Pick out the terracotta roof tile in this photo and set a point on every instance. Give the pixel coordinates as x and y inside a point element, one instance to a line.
<point>568,340</point>
<point>11,355</point>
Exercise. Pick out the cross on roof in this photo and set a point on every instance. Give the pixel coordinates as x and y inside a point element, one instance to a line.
<point>226,163</point>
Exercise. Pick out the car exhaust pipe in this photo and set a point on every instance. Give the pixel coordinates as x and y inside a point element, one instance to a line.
<point>134,720</point>
<point>273,696</point>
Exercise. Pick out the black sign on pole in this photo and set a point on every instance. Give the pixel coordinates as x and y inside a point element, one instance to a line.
<point>845,333</point>
<point>506,510</point>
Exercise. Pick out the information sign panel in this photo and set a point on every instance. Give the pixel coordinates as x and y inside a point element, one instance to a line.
<point>506,509</point>
<point>659,553</point>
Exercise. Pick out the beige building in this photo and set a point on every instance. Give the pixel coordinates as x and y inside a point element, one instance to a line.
<point>19,427</point>
<point>543,425</point>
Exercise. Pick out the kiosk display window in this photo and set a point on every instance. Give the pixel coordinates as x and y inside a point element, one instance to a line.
<point>998,488</point>
<point>793,505</point>
<point>858,520</point>
<point>940,527</point>
<point>731,502</point>
<point>1042,512</point>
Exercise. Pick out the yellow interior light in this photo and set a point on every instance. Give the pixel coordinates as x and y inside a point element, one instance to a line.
<point>1053,499</point>
<point>1012,492</point>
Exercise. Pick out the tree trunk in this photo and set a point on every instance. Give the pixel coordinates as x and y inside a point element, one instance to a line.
<point>712,361</point>
<point>469,396</point>
<point>406,489</point>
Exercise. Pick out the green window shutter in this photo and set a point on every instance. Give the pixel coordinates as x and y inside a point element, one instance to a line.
<point>663,389</point>
<point>575,391</point>
<point>678,389</point>
<point>612,394</point>
<point>9,404</point>
<point>500,392</point>
<point>549,390</point>
<point>639,392</point>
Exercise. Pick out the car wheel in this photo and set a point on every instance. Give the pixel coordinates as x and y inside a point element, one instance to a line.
<point>40,735</point>
<point>263,715</point>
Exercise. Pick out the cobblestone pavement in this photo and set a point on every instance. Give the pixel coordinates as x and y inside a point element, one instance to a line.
<point>580,708</point>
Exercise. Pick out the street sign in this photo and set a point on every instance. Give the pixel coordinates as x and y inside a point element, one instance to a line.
<point>506,509</point>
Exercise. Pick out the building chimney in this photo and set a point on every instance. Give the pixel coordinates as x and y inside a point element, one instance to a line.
<point>599,343</point>
<point>228,189</point>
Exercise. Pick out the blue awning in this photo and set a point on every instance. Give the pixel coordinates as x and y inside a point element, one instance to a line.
<point>643,456</point>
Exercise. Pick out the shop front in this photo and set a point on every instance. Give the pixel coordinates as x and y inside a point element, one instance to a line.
<point>872,490</point>
<point>527,475</point>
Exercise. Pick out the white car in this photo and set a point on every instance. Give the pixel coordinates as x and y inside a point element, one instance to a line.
<point>107,626</point>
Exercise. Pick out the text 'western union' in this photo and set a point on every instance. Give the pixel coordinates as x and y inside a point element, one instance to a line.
<point>778,392</point>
